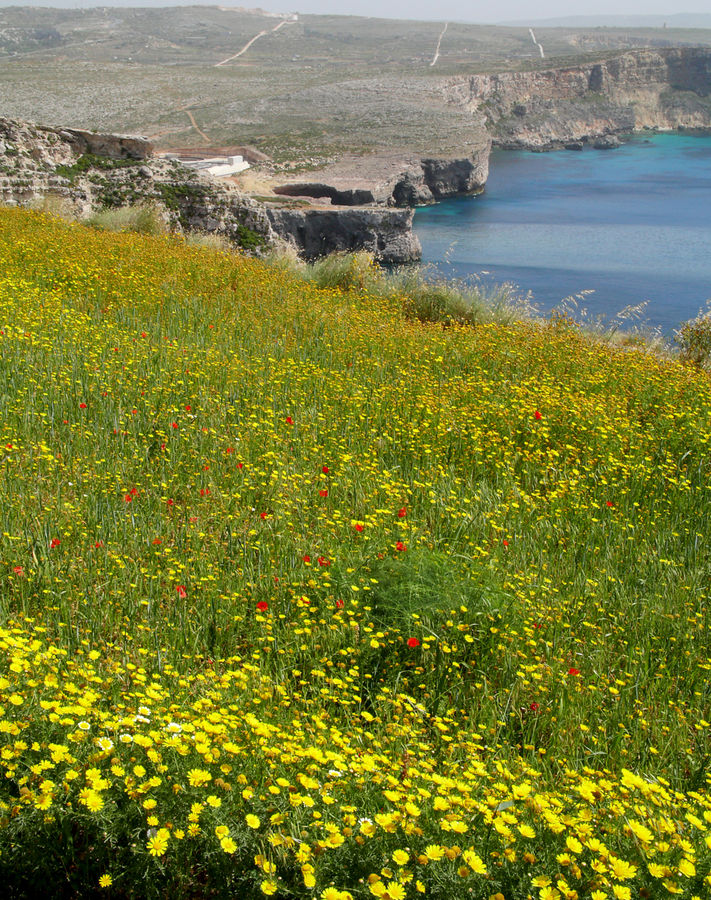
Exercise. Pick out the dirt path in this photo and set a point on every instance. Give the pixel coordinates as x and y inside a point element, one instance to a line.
<point>540,46</point>
<point>439,43</point>
<point>252,40</point>
<point>195,125</point>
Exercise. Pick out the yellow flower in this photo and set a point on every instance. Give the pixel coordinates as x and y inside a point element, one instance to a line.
<point>573,845</point>
<point>105,881</point>
<point>198,777</point>
<point>93,801</point>
<point>687,868</point>
<point>228,845</point>
<point>549,893</point>
<point>622,870</point>
<point>400,857</point>
<point>641,832</point>
<point>434,852</point>
<point>331,893</point>
<point>475,862</point>
<point>252,820</point>
<point>396,891</point>
<point>268,887</point>
<point>158,844</point>
<point>222,831</point>
<point>526,831</point>
<point>621,892</point>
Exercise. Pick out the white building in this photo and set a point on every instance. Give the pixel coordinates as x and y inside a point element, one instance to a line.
<point>218,166</point>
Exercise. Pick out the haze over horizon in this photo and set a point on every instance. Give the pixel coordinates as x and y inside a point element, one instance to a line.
<point>514,11</point>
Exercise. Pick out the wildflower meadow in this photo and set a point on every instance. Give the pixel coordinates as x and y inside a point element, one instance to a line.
<point>301,598</point>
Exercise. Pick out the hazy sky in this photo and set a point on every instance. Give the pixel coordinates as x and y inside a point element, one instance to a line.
<point>458,10</point>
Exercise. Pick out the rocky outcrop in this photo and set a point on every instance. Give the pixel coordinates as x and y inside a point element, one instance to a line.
<point>449,177</point>
<point>113,146</point>
<point>545,109</point>
<point>397,182</point>
<point>387,233</point>
<point>317,191</point>
<point>96,171</point>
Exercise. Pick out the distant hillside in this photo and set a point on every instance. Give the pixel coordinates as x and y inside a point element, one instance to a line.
<point>677,20</point>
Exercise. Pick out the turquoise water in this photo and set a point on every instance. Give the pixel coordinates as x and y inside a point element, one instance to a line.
<point>630,225</point>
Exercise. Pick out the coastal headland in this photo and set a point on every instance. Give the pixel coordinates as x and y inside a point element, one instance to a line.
<point>344,137</point>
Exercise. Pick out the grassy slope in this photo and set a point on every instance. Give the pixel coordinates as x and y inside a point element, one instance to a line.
<point>301,598</point>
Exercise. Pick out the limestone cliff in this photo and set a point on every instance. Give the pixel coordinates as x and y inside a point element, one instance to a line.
<point>91,171</point>
<point>396,179</point>
<point>387,233</point>
<point>544,109</point>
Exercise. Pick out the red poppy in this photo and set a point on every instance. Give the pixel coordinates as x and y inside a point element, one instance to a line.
<point>182,593</point>
<point>174,424</point>
<point>322,561</point>
<point>401,513</point>
<point>400,546</point>
<point>18,570</point>
<point>188,407</point>
<point>339,604</point>
<point>55,542</point>
<point>133,491</point>
<point>306,557</point>
<point>99,544</point>
<point>325,470</point>
<point>262,606</point>
<point>82,406</point>
<point>170,502</point>
<point>157,541</point>
<point>505,543</point>
<point>240,465</point>
<point>230,450</point>
<point>358,527</point>
<point>128,498</point>
<point>289,420</point>
<point>573,671</point>
<point>537,415</point>
<point>609,503</point>
<point>413,642</point>
<point>534,707</point>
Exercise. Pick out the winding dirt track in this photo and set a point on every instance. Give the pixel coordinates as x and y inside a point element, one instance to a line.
<point>252,40</point>
<point>439,44</point>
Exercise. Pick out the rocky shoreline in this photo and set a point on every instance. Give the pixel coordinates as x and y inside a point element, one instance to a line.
<point>365,203</point>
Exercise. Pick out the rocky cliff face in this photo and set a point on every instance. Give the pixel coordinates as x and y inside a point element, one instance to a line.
<point>94,171</point>
<point>387,233</point>
<point>396,180</point>
<point>660,89</point>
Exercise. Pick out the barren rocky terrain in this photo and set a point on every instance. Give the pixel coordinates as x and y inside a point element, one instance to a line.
<point>319,88</point>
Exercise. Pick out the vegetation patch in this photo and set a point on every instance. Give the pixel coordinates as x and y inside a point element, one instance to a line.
<point>302,596</point>
<point>89,161</point>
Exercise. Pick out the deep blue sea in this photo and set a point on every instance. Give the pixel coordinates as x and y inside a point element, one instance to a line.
<point>630,225</point>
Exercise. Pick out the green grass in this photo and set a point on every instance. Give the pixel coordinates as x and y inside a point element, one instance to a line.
<point>303,596</point>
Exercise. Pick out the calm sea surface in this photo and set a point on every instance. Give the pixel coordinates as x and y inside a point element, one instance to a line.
<point>631,224</point>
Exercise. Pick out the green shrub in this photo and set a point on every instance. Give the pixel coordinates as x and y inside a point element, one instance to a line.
<point>141,219</point>
<point>694,340</point>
